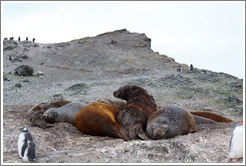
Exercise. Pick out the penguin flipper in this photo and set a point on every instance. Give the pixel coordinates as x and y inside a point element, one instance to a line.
<point>31,152</point>
<point>23,149</point>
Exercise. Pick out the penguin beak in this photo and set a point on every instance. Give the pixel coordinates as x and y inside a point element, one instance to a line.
<point>19,129</point>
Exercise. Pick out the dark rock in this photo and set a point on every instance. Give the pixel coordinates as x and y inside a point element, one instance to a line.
<point>24,70</point>
<point>26,49</point>
<point>57,97</point>
<point>35,45</point>
<point>14,58</point>
<point>5,78</point>
<point>113,42</point>
<point>18,85</point>
<point>24,57</point>
<point>77,87</point>
<point>11,47</point>
<point>234,100</point>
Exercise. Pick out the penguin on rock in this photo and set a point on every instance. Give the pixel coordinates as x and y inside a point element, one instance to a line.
<point>26,145</point>
<point>236,143</point>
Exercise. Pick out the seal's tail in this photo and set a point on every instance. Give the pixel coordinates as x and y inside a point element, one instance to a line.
<point>211,116</point>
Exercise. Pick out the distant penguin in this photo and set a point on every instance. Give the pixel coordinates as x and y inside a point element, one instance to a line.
<point>191,67</point>
<point>236,143</point>
<point>33,40</point>
<point>26,38</point>
<point>19,38</point>
<point>179,69</point>
<point>26,145</point>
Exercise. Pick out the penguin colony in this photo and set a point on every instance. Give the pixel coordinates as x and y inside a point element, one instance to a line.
<point>26,145</point>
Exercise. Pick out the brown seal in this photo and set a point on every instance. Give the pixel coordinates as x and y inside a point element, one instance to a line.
<point>66,113</point>
<point>212,116</point>
<point>169,122</point>
<point>135,114</point>
<point>98,119</point>
<point>35,114</point>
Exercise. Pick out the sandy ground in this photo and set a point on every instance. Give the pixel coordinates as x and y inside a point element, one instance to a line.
<point>63,143</point>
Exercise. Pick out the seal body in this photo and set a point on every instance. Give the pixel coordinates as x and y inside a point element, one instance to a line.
<point>140,104</point>
<point>66,113</point>
<point>169,122</point>
<point>26,145</point>
<point>236,143</point>
<point>98,119</point>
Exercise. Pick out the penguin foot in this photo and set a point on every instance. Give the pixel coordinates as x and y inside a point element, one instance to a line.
<point>234,159</point>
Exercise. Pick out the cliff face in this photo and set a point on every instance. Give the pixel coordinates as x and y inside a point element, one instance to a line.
<point>97,66</point>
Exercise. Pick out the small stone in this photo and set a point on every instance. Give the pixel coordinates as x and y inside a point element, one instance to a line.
<point>18,85</point>
<point>5,78</point>
<point>39,73</point>
<point>24,57</point>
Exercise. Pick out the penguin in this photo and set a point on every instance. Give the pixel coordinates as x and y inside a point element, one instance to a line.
<point>26,145</point>
<point>191,67</point>
<point>236,143</point>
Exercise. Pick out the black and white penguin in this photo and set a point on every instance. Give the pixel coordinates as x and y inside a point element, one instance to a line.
<point>191,67</point>
<point>26,145</point>
<point>236,143</point>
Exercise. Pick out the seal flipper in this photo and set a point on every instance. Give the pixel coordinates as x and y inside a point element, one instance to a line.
<point>123,133</point>
<point>211,116</point>
<point>137,131</point>
<point>202,120</point>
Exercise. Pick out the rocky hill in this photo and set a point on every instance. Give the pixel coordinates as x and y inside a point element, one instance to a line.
<point>86,69</point>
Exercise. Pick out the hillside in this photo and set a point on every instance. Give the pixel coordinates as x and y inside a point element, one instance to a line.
<point>86,69</point>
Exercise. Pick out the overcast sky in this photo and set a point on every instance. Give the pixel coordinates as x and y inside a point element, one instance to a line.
<point>209,35</point>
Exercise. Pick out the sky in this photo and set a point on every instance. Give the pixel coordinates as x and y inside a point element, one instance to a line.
<point>209,35</point>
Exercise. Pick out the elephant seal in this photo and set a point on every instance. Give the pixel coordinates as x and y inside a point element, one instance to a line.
<point>35,114</point>
<point>98,119</point>
<point>134,116</point>
<point>169,122</point>
<point>66,113</point>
